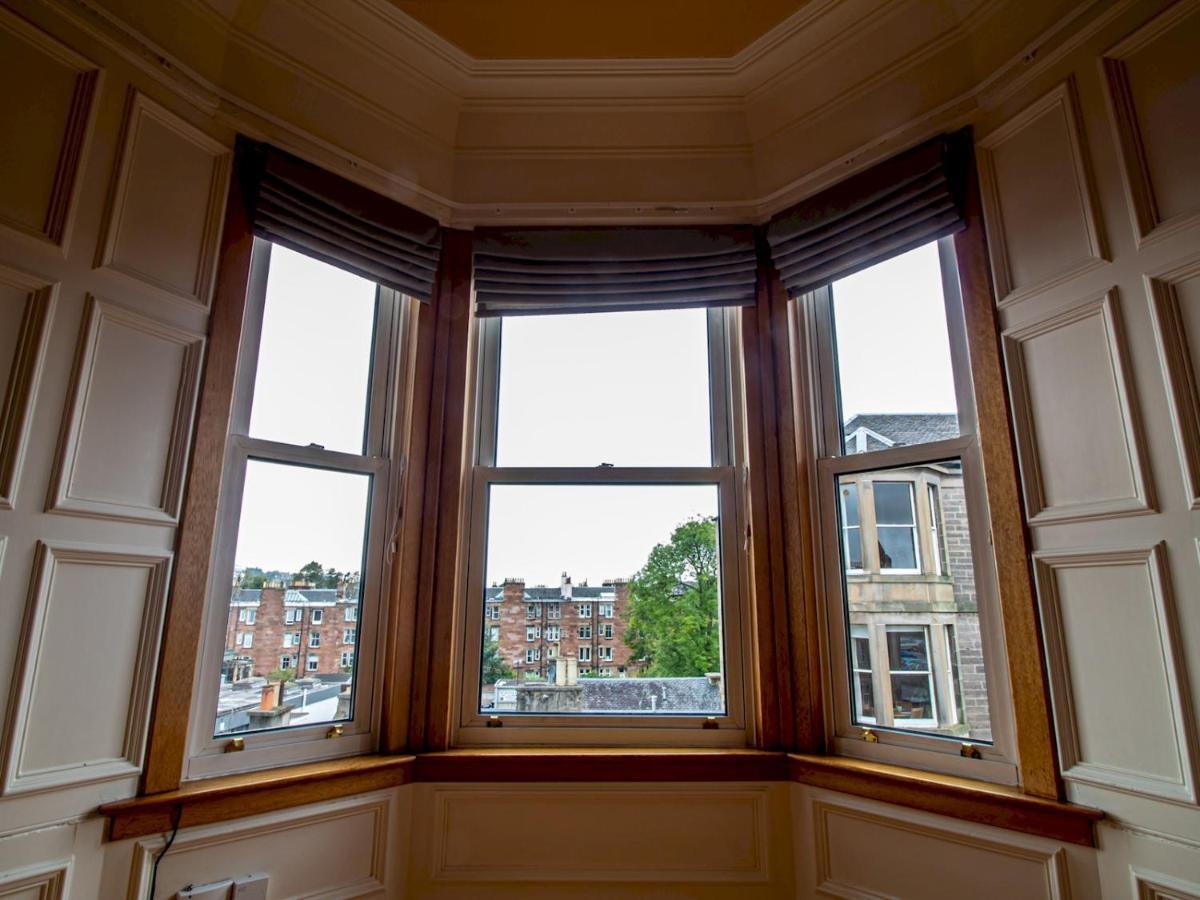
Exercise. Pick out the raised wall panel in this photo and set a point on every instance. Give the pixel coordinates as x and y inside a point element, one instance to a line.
<point>1149,885</point>
<point>1115,656</point>
<point>26,306</point>
<point>86,663</point>
<point>1175,304</point>
<point>125,437</point>
<point>861,854</point>
<point>1038,196</point>
<point>334,850</point>
<point>1153,80</point>
<point>664,836</point>
<point>45,881</point>
<point>167,203</point>
<point>1072,400</point>
<point>46,108</point>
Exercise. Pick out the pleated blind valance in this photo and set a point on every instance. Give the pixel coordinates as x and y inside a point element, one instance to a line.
<point>893,207</point>
<point>302,206</point>
<point>540,271</point>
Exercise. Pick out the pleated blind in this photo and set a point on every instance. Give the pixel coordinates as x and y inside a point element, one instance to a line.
<point>539,271</point>
<point>304,207</point>
<point>893,207</point>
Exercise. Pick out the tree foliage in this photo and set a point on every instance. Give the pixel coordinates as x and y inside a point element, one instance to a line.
<point>674,608</point>
<point>494,666</point>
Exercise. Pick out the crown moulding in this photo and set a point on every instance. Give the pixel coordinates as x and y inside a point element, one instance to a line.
<point>365,90</point>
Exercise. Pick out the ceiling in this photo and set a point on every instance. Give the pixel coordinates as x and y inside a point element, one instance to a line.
<point>600,29</point>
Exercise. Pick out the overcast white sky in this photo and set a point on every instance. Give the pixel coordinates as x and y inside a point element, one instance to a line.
<point>623,388</point>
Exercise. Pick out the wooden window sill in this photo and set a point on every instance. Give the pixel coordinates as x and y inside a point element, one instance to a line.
<point>948,795</point>
<point>220,799</point>
<point>231,797</point>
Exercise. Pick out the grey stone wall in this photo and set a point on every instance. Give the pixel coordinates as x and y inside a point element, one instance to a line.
<point>971,671</point>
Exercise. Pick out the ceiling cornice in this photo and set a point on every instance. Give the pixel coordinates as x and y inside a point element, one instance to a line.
<point>473,141</point>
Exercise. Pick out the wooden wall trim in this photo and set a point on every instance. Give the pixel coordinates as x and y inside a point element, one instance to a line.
<point>237,796</point>
<point>1032,718</point>
<point>947,795</point>
<point>180,651</point>
<point>430,573</point>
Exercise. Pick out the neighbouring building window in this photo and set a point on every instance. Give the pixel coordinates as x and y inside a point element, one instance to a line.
<point>553,632</point>
<point>851,527</point>
<point>314,639</point>
<point>531,612</point>
<point>286,662</point>
<point>585,632</point>
<point>896,527</point>
<point>584,611</point>
<point>347,659</point>
<point>911,675</point>
<point>495,634</point>
<point>350,614</point>
<point>532,633</point>
<point>318,616</point>
<point>606,631</point>
<point>937,548</point>
<point>585,654</point>
<point>864,687</point>
<point>606,610</point>
<point>251,616</point>
<point>248,640</point>
<point>314,663</point>
<point>604,653</point>
<point>553,611</point>
<point>349,635</point>
<point>291,616</point>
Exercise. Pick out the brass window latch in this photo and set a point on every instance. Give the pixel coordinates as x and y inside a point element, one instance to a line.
<point>869,736</point>
<point>334,732</point>
<point>710,722</point>
<point>494,722</point>
<point>970,751</point>
<point>235,744</point>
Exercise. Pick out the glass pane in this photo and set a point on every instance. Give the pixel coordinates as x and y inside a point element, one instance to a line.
<point>630,576</point>
<point>907,650</point>
<point>292,635</point>
<point>933,658</point>
<point>896,550</point>
<point>314,358</point>
<point>629,389</point>
<point>866,695</point>
<point>895,381</point>
<point>893,503</point>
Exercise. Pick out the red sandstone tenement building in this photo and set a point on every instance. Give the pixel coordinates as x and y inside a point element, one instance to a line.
<point>312,631</point>
<point>536,626</point>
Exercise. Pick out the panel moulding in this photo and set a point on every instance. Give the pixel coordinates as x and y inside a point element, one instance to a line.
<point>1148,224</point>
<point>139,111</point>
<point>16,406</point>
<point>64,494</point>
<point>1059,101</point>
<point>18,777</point>
<point>1038,509</point>
<point>56,225</point>
<point>1170,638</point>
<point>1179,364</point>
<point>828,883</point>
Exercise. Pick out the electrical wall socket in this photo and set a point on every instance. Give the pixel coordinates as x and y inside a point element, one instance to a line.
<point>250,887</point>
<point>214,890</point>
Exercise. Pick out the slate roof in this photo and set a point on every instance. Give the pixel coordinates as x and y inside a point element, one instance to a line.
<point>311,595</point>
<point>906,428</point>
<point>246,595</point>
<point>670,694</point>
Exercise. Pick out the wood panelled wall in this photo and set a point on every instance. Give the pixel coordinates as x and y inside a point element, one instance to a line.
<point>110,206</point>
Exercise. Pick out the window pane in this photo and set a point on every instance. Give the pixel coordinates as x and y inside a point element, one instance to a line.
<point>298,566</point>
<point>314,358</point>
<point>893,503</point>
<point>629,389</point>
<point>571,551</point>
<point>895,382</point>
<point>930,670</point>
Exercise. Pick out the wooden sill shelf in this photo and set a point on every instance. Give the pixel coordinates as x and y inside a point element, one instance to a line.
<point>948,795</point>
<point>220,799</point>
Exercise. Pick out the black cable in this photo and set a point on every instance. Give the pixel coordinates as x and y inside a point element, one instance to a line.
<point>163,852</point>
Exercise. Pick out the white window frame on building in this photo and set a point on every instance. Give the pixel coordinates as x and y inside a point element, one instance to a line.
<point>286,662</point>
<point>553,611</point>
<point>379,462</point>
<point>585,632</point>
<point>584,611</point>
<point>349,635</point>
<point>585,654</point>
<point>350,614</point>
<point>317,616</point>
<point>606,631</point>
<point>606,610</point>
<point>997,759</point>
<point>314,640</point>
<point>346,659</point>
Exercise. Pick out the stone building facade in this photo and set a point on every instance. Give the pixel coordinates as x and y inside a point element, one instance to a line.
<point>311,631</point>
<point>916,652</point>
<point>535,627</point>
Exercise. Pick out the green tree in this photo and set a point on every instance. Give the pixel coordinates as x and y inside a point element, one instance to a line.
<point>494,668</point>
<point>674,616</point>
<point>311,573</point>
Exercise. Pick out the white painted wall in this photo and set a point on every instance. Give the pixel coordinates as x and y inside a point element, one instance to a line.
<point>1089,153</point>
